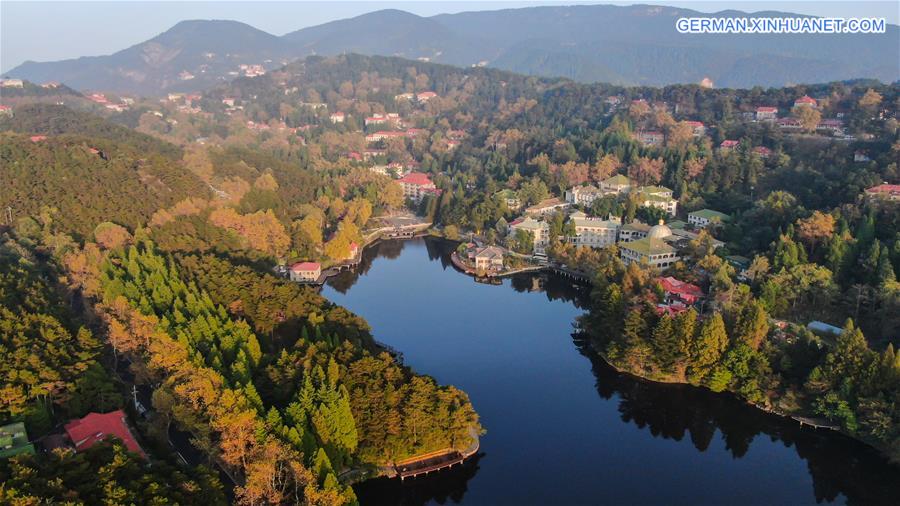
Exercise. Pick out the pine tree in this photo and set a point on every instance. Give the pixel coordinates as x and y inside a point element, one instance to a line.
<point>664,342</point>
<point>635,348</point>
<point>708,349</point>
<point>752,325</point>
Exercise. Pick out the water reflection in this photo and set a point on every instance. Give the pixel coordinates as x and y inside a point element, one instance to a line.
<point>446,487</point>
<point>839,465</point>
<point>842,469</point>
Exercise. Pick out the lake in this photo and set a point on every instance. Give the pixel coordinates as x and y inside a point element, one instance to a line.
<point>562,427</point>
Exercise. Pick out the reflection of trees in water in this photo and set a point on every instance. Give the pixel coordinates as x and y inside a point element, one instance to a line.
<point>449,484</point>
<point>838,465</point>
<point>556,287</point>
<point>385,249</point>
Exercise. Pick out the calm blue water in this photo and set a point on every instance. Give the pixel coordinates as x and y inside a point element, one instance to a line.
<point>562,427</point>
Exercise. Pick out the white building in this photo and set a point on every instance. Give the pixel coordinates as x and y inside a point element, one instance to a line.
<point>593,232</point>
<point>705,217</point>
<point>305,272</point>
<point>583,195</point>
<point>617,184</point>
<point>540,230</point>
<point>417,185</point>
<point>659,197</point>
<point>653,250</point>
<point>544,207</point>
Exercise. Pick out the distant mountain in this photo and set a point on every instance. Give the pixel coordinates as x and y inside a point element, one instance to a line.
<point>190,56</point>
<point>635,45</point>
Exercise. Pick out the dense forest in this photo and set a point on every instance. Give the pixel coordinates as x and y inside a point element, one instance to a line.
<point>54,368</point>
<point>165,240</point>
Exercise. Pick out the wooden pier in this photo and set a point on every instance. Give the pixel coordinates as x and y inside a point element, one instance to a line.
<point>435,461</point>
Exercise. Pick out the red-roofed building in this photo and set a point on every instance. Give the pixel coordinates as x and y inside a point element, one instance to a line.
<point>764,113</point>
<point>698,127</point>
<point>680,291</point>
<point>305,272</point>
<point>672,309</point>
<point>99,98</point>
<point>728,145</point>
<point>5,109</point>
<point>353,155</point>
<point>425,96</point>
<point>415,132</point>
<point>806,100</point>
<point>96,427</point>
<point>762,151</point>
<point>337,117</point>
<point>884,191</point>
<point>377,119</point>
<point>416,185</point>
<point>38,138</point>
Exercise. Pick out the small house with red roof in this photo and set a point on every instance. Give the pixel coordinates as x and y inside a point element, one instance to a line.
<point>762,151</point>
<point>376,119</point>
<point>884,192</point>
<point>95,427</point>
<point>728,145</point>
<point>680,291</point>
<point>807,101</point>
<point>305,272</point>
<point>425,96</point>
<point>765,113</point>
<point>673,309</point>
<point>337,117</point>
<point>698,128</point>
<point>38,138</point>
<point>416,185</point>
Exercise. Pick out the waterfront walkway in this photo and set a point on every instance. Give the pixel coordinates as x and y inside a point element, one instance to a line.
<point>435,461</point>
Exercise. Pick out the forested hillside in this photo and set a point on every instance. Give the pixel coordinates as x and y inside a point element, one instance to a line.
<point>168,251</point>
<point>80,181</point>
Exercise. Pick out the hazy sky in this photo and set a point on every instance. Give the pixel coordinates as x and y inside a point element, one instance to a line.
<point>43,31</point>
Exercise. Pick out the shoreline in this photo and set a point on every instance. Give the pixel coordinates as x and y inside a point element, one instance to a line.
<point>582,278</point>
<point>815,424</point>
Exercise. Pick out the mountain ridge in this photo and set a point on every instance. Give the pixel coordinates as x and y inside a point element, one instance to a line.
<point>627,45</point>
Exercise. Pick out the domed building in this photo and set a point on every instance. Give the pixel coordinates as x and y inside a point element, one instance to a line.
<point>653,250</point>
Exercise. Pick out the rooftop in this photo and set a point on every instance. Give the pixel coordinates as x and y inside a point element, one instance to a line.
<point>617,180</point>
<point>709,214</point>
<point>14,440</point>
<point>416,178</point>
<point>306,266</point>
<point>648,246</point>
<point>96,427</point>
